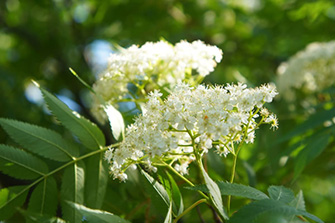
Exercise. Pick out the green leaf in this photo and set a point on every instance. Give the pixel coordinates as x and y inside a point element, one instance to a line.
<point>33,217</point>
<point>299,202</point>
<point>158,187</point>
<point>215,193</point>
<point>10,198</point>
<point>176,195</point>
<point>172,190</point>
<point>157,204</point>
<point>41,141</point>
<point>96,179</point>
<point>116,122</point>
<point>313,121</point>
<point>43,200</point>
<point>240,190</point>
<point>281,193</point>
<point>310,216</point>
<point>269,217</point>
<point>92,215</point>
<point>168,218</point>
<point>250,172</point>
<point>87,132</point>
<point>234,189</point>
<point>72,189</point>
<point>20,164</point>
<point>314,148</point>
<point>257,210</point>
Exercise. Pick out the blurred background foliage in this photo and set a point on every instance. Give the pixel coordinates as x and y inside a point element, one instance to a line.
<point>40,40</point>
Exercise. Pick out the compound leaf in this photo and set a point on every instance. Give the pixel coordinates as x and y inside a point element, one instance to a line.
<point>43,199</point>
<point>72,189</point>
<point>10,198</point>
<point>257,210</point>
<point>87,132</point>
<point>96,179</point>
<point>92,215</point>
<point>39,140</point>
<point>20,164</point>
<point>281,193</point>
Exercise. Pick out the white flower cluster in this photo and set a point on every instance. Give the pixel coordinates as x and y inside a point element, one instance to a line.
<point>310,70</point>
<point>159,63</point>
<point>192,119</point>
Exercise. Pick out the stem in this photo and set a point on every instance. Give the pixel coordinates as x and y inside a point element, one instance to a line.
<point>185,179</point>
<point>189,209</point>
<point>235,157</point>
<point>58,169</point>
<point>179,175</point>
<point>231,181</point>
<point>78,159</point>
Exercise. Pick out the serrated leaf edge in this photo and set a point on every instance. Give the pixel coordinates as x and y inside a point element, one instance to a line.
<point>37,136</point>
<point>73,114</point>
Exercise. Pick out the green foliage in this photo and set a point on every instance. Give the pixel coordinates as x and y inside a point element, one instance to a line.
<point>41,141</point>
<point>10,199</point>
<point>299,202</point>
<point>96,178</point>
<point>234,189</point>
<point>20,164</point>
<point>263,209</point>
<point>280,193</point>
<point>158,187</point>
<point>176,195</point>
<point>92,215</point>
<point>39,218</point>
<point>314,121</point>
<point>116,122</point>
<point>314,147</point>
<point>255,40</point>
<point>87,132</point>
<point>44,197</point>
<point>44,200</point>
<point>281,207</point>
<point>215,194</point>
<point>73,190</point>
<point>169,191</point>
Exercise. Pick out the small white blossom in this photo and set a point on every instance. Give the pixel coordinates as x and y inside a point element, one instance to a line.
<point>109,154</point>
<point>122,177</point>
<point>272,119</point>
<point>264,112</point>
<point>182,168</point>
<point>224,115</point>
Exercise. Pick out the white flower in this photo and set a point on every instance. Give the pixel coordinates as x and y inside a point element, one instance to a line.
<point>264,112</point>
<point>182,168</point>
<point>206,115</point>
<point>122,177</point>
<point>272,119</point>
<point>310,70</point>
<point>109,154</point>
<point>162,62</point>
